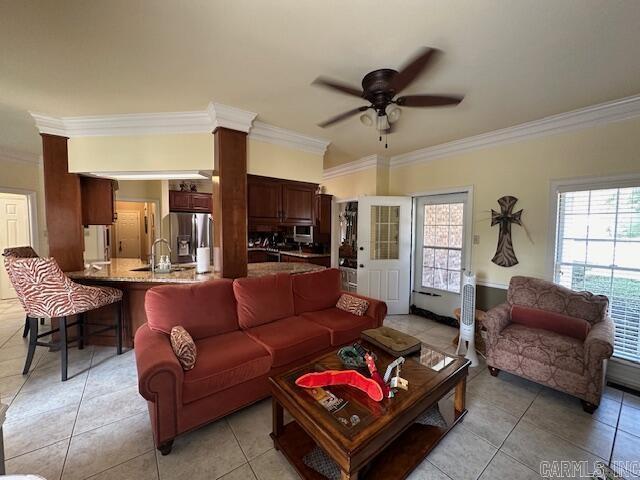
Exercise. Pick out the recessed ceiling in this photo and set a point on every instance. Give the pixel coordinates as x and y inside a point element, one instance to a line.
<point>514,61</point>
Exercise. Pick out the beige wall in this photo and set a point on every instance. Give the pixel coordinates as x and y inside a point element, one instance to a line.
<point>141,153</point>
<point>524,170</point>
<point>352,185</point>
<point>282,162</point>
<point>29,177</point>
<point>186,152</point>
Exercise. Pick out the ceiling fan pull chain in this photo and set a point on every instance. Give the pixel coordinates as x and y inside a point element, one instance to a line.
<point>385,141</point>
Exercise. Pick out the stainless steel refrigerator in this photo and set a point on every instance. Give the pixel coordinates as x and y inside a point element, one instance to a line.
<point>188,231</point>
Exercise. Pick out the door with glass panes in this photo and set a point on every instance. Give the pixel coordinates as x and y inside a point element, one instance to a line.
<point>384,250</point>
<point>441,251</point>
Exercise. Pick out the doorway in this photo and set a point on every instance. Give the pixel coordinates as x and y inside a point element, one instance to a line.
<point>15,231</point>
<point>442,250</point>
<point>133,230</point>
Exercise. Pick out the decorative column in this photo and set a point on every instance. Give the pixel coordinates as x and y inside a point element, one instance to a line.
<point>231,126</point>
<point>63,205</point>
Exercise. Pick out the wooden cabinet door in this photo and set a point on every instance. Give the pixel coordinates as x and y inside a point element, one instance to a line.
<point>297,203</point>
<point>264,200</point>
<point>322,214</point>
<point>201,202</point>
<point>179,201</point>
<point>98,205</point>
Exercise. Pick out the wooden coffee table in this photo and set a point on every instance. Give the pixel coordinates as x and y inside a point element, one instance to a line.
<point>386,443</point>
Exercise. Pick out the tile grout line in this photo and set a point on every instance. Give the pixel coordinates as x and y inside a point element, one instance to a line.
<point>64,463</point>
<point>615,433</point>
<point>499,449</point>
<point>116,465</point>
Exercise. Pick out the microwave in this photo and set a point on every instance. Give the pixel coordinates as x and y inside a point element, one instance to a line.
<point>303,233</point>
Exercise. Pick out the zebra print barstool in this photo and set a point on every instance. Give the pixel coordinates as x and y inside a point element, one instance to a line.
<point>22,252</point>
<point>46,292</point>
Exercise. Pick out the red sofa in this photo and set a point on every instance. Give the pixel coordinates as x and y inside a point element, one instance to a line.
<point>245,331</point>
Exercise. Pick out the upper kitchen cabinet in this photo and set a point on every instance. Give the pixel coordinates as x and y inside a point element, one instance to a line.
<point>273,201</point>
<point>297,203</point>
<point>189,201</point>
<point>264,200</point>
<point>98,200</point>
<point>322,233</point>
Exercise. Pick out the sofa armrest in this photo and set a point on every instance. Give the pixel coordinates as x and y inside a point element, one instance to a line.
<point>157,364</point>
<point>599,342</point>
<point>377,309</point>
<point>497,318</point>
<point>160,378</point>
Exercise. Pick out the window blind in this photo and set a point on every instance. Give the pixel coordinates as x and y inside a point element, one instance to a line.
<point>598,250</point>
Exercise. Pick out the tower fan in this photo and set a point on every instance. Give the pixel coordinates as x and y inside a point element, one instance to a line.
<point>466,342</point>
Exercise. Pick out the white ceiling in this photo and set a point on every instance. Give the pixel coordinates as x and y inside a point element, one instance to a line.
<point>516,61</point>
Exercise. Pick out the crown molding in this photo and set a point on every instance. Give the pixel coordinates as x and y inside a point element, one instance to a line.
<point>216,115</point>
<point>264,132</point>
<point>224,116</point>
<point>20,157</point>
<point>365,163</point>
<point>600,114</point>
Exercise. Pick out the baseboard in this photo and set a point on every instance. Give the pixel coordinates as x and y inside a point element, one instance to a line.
<point>623,372</point>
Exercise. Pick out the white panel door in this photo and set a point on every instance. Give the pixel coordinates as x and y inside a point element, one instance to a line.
<point>384,250</point>
<point>128,234</point>
<point>14,232</point>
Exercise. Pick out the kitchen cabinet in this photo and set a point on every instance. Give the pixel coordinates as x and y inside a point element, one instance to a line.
<point>322,215</point>
<point>264,200</point>
<point>98,200</point>
<point>189,201</point>
<point>257,256</point>
<point>273,201</point>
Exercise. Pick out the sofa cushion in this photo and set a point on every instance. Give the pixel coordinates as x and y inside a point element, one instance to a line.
<point>263,299</point>
<point>537,293</point>
<point>316,290</point>
<point>555,322</point>
<point>290,339</point>
<point>547,348</point>
<point>344,327</point>
<point>203,309</point>
<point>224,361</point>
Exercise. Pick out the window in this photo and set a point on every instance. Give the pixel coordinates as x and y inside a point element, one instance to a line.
<point>440,251</point>
<point>385,232</point>
<point>598,249</point>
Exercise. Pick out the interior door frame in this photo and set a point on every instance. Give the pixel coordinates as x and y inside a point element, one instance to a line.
<point>32,206</point>
<point>335,228</point>
<point>468,232</point>
<point>156,202</point>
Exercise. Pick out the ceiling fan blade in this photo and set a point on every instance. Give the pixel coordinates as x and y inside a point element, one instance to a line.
<point>342,116</point>
<point>336,85</point>
<point>412,69</point>
<point>429,100</point>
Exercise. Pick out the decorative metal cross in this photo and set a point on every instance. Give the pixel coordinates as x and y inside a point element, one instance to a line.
<point>505,255</point>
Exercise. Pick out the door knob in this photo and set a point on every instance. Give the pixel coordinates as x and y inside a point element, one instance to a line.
<point>361,265</point>
<point>361,248</point>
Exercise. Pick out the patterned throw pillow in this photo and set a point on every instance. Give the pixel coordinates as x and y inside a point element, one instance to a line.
<point>183,347</point>
<point>351,304</point>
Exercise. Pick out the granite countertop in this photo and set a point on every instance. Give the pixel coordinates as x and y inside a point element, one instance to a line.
<point>121,270</point>
<point>292,253</point>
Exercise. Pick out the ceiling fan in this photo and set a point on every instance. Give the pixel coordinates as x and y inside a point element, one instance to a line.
<point>380,88</point>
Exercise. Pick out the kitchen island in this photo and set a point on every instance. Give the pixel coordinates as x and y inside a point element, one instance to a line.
<point>129,276</point>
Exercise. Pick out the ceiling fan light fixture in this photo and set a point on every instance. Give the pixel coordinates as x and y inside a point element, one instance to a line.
<point>367,118</point>
<point>393,112</point>
<point>382,123</point>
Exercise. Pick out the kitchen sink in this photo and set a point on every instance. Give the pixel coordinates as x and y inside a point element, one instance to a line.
<point>174,268</point>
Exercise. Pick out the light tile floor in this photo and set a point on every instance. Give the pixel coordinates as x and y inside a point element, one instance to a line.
<point>96,425</point>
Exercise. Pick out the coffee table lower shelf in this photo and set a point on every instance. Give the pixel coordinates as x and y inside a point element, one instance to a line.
<point>396,461</point>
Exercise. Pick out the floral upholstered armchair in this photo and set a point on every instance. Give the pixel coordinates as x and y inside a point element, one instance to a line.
<point>553,336</point>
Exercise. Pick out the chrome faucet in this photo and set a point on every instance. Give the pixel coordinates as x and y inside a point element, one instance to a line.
<point>153,252</point>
